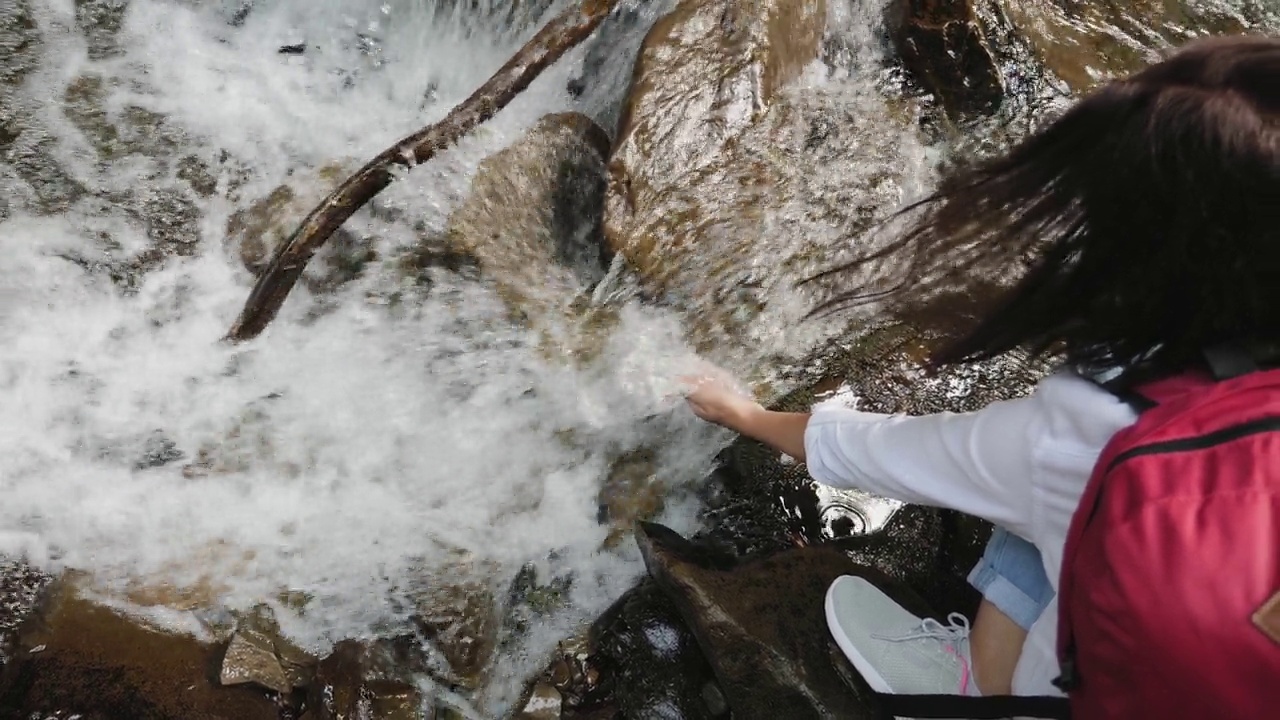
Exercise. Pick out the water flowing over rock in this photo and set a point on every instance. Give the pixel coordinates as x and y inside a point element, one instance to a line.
<point>368,680</point>
<point>966,53</point>
<point>260,654</point>
<point>100,21</point>
<point>255,231</point>
<point>727,187</point>
<point>531,224</point>
<point>1088,43</point>
<point>19,46</point>
<point>460,617</point>
<point>76,657</point>
<point>942,43</point>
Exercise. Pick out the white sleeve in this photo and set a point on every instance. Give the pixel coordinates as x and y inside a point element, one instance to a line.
<point>978,463</point>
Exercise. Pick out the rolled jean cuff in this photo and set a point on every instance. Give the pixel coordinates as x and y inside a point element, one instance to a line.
<point>1011,576</point>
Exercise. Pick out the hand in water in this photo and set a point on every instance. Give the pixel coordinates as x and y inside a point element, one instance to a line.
<point>714,398</point>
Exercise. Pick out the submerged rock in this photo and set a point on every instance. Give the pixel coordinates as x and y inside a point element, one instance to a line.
<point>100,21</point>
<point>361,680</point>
<point>256,231</point>
<point>531,223</point>
<point>762,627</point>
<point>1087,43</point>
<point>725,194</point>
<point>77,658</point>
<point>19,48</point>
<point>942,43</point>
<point>20,586</point>
<point>260,654</point>
<point>652,664</point>
<point>965,53</point>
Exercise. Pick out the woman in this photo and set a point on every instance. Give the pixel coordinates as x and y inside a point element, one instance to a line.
<point>1150,215</point>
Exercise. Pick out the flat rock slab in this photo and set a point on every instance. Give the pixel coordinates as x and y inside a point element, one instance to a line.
<point>75,657</point>
<point>761,625</point>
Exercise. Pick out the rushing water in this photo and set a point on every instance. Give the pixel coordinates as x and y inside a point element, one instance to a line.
<point>359,450</point>
<point>355,450</point>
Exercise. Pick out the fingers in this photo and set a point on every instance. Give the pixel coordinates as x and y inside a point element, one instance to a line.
<point>691,383</point>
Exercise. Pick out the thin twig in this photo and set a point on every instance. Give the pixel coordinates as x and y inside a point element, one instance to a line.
<point>548,45</point>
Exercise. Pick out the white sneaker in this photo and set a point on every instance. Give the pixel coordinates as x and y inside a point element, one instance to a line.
<point>895,651</point>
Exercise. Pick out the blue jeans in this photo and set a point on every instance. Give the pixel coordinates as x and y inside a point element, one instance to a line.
<point>1011,576</point>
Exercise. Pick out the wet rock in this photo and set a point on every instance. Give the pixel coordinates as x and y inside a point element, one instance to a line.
<point>260,654</point>
<point>724,195</point>
<point>368,680</point>
<point>20,586</point>
<point>172,220</point>
<point>99,665</point>
<point>762,627</point>
<point>100,21</point>
<point>676,123</point>
<point>459,615</point>
<point>136,130</point>
<point>942,43</point>
<point>652,665</point>
<point>19,46</point>
<point>53,189</point>
<point>157,451</point>
<point>197,174</point>
<point>543,704</point>
<point>250,658</point>
<point>255,231</point>
<point>630,493</point>
<point>1087,43</point>
<point>531,222</point>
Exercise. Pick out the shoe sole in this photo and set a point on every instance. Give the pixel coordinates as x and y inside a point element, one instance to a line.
<point>863,666</point>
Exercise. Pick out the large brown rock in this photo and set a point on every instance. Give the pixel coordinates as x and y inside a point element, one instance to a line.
<point>964,51</point>
<point>256,231</point>
<point>78,658</point>
<point>732,179</point>
<point>368,680</point>
<point>761,625</point>
<point>531,224</point>
<point>1088,43</point>
<point>706,72</point>
<point>943,44</point>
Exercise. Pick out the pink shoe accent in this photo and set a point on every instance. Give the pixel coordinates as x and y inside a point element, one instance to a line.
<point>964,669</point>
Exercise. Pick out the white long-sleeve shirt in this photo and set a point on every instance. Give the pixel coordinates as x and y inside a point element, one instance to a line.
<point>1022,464</point>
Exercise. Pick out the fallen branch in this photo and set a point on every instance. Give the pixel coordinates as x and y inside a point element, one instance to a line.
<point>548,45</point>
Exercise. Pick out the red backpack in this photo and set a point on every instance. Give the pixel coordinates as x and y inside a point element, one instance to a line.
<point>1169,600</point>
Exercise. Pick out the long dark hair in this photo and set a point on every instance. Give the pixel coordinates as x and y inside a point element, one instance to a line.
<point>1146,219</point>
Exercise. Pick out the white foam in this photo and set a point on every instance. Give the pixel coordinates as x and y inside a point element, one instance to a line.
<point>363,448</point>
<point>360,448</point>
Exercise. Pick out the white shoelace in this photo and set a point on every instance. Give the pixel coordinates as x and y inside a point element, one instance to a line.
<point>951,635</point>
<point>956,630</point>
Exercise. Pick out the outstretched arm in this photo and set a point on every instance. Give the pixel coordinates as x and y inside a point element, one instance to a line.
<point>717,402</point>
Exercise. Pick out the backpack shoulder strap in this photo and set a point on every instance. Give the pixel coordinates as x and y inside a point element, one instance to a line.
<point>961,707</point>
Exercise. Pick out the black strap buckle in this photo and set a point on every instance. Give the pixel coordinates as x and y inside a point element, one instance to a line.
<point>1229,361</point>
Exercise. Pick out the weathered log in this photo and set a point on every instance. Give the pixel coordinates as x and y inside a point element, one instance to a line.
<point>548,45</point>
